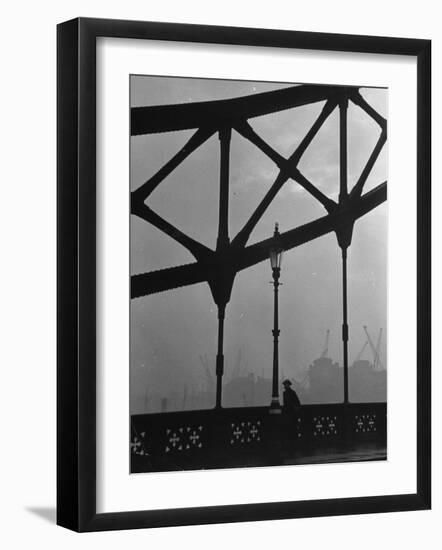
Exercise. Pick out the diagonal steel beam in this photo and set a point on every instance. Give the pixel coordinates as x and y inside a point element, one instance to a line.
<point>194,247</point>
<point>197,139</point>
<point>358,100</point>
<point>246,131</point>
<point>329,204</point>
<point>145,284</point>
<point>285,173</point>
<point>300,235</point>
<point>284,165</point>
<point>359,186</point>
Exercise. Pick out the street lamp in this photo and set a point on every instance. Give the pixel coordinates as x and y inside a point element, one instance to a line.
<point>275,255</point>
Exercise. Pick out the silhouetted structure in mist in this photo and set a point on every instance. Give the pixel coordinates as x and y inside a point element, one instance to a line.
<point>219,267</point>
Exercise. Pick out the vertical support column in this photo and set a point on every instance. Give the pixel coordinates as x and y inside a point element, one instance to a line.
<point>345,322</point>
<point>344,237</point>
<point>275,406</point>
<point>223,241</point>
<point>343,193</point>
<point>220,355</point>
<point>225,135</point>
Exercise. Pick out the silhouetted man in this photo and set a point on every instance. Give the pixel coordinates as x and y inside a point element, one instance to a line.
<point>290,408</point>
<point>290,400</point>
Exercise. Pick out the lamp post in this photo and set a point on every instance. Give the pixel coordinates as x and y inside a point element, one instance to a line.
<point>275,254</point>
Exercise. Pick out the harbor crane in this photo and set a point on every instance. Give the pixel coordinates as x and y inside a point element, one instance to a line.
<point>325,348</point>
<point>359,355</point>
<point>377,363</point>
<point>378,349</point>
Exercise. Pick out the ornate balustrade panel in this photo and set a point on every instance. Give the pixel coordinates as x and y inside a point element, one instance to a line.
<point>250,436</point>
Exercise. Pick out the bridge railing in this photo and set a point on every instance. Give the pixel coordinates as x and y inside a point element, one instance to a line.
<point>249,436</point>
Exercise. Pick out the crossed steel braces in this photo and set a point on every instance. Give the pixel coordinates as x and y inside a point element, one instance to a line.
<point>219,267</point>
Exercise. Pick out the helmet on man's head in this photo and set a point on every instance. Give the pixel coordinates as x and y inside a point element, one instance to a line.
<point>286,382</point>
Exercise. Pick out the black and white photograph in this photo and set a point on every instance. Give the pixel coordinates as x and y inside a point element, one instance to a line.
<point>258,262</point>
<point>220,264</point>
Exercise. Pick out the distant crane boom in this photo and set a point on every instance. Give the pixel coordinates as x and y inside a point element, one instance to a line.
<point>359,355</point>
<point>376,360</point>
<point>378,349</point>
<point>305,380</point>
<point>325,348</point>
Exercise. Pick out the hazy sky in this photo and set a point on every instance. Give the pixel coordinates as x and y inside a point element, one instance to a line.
<point>170,330</point>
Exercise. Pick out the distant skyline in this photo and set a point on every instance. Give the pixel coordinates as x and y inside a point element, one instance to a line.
<point>170,330</point>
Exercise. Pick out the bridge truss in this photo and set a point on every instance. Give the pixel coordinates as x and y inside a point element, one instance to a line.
<point>218,267</point>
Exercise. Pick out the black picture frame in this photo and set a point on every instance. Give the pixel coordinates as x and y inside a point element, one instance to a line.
<point>77,287</point>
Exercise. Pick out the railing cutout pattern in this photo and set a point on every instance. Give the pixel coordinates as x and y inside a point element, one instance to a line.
<point>184,438</point>
<point>325,426</point>
<point>365,423</point>
<point>245,432</point>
